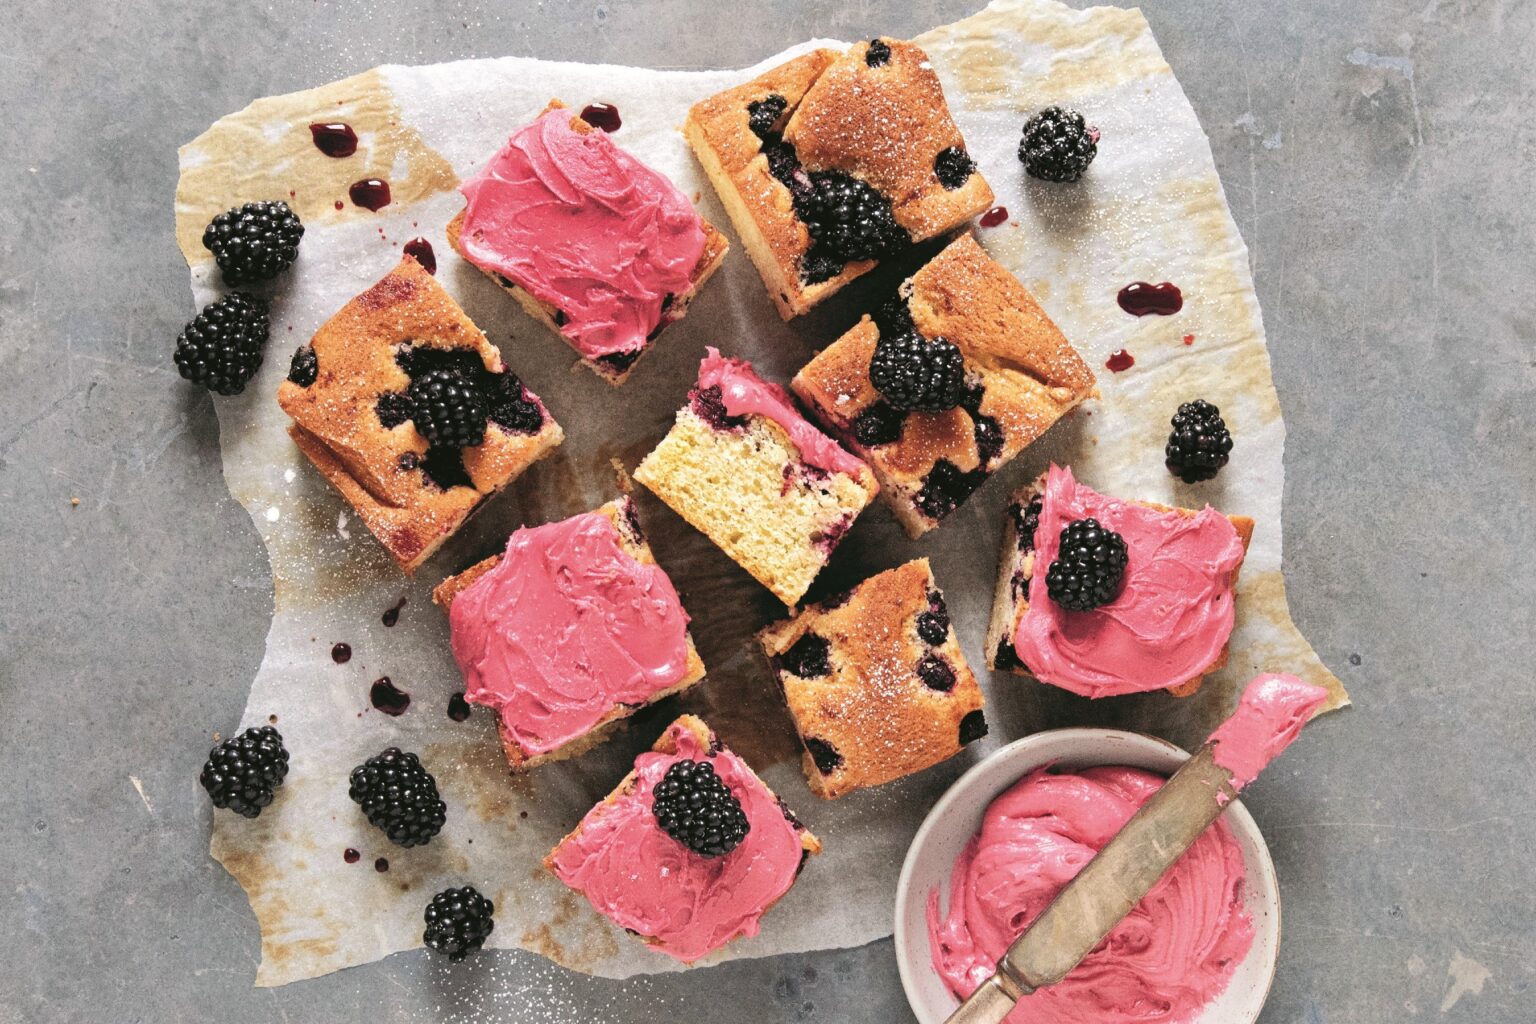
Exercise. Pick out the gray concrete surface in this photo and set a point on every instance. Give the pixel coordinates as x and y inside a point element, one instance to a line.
<point>1379,159</point>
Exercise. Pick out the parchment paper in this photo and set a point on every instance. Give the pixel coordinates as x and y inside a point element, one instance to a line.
<point>1151,208</point>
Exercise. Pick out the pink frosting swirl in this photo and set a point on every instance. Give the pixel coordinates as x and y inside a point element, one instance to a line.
<point>744,393</point>
<point>1269,716</point>
<point>1172,616</point>
<point>566,627</point>
<point>585,227</point>
<point>1174,952</point>
<point>644,880</point>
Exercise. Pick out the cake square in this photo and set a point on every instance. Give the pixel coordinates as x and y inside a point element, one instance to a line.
<point>876,682</point>
<point>1020,376</point>
<point>677,901</point>
<point>1181,573</point>
<point>746,469</point>
<point>349,394</point>
<point>607,258</point>
<point>829,162</point>
<point>570,631</point>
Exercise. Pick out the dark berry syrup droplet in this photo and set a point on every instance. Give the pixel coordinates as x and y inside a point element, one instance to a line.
<point>370,193</point>
<point>381,865</point>
<point>388,698</point>
<point>421,250</point>
<point>1140,299</point>
<point>995,216</point>
<point>1119,360</point>
<point>602,115</point>
<point>458,708</point>
<point>335,138</point>
<point>351,856</point>
<point>341,653</point>
<point>392,615</point>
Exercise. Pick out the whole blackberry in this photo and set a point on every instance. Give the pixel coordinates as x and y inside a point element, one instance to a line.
<point>879,424</point>
<point>242,772</point>
<point>511,407</point>
<point>220,349</point>
<point>305,367</point>
<point>1089,566</point>
<point>254,242</point>
<point>695,807</point>
<point>399,796</point>
<point>1058,145</point>
<point>953,167</point>
<point>763,114</point>
<point>850,219</point>
<point>1200,443</point>
<point>458,922</point>
<point>877,53</point>
<point>918,373</point>
<point>448,409</point>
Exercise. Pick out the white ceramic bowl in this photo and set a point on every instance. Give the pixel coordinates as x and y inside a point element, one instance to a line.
<point>957,817</point>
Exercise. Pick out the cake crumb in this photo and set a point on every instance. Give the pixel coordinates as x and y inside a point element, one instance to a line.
<point>74,502</point>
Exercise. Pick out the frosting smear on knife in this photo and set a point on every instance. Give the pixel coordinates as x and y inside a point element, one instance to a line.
<point>1269,716</point>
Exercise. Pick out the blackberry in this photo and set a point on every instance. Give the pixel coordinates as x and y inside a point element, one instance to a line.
<point>972,727</point>
<point>254,242</point>
<point>1200,443</point>
<point>1089,566</point>
<point>1058,145</point>
<point>810,657</point>
<point>917,373</point>
<point>510,406</point>
<point>1026,519</point>
<point>849,219</point>
<point>989,438</point>
<point>242,772</point>
<point>220,349</point>
<point>708,404</point>
<point>953,167</point>
<point>448,409</point>
<point>458,922</point>
<point>393,408</point>
<point>823,754</point>
<point>694,806</point>
<point>877,53</point>
<point>879,424</point>
<point>933,624</point>
<point>763,114</point>
<point>399,796</point>
<point>305,367</point>
<point>936,673</point>
<point>818,265</point>
<point>946,487</point>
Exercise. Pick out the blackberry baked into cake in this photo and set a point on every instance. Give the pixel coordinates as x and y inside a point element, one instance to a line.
<point>1142,599</point>
<point>876,682</point>
<point>689,851</point>
<point>959,372</point>
<point>404,406</point>
<point>567,633</point>
<point>746,469</point>
<point>595,245</point>
<point>830,162</point>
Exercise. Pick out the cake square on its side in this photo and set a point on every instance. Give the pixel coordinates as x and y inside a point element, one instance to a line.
<point>876,682</point>
<point>616,367</point>
<point>347,395</point>
<point>752,483</point>
<point>631,540</point>
<point>875,114</point>
<point>653,861</point>
<point>1021,376</point>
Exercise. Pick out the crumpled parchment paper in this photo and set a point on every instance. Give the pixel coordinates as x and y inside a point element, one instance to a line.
<point>1150,209</point>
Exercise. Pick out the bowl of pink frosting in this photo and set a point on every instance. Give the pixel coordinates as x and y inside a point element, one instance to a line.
<point>1200,948</point>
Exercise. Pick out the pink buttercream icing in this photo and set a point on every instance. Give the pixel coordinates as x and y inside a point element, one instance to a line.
<point>644,880</point>
<point>1174,952</point>
<point>744,393</point>
<point>1172,616</point>
<point>566,627</point>
<point>585,227</point>
<point>1269,716</point>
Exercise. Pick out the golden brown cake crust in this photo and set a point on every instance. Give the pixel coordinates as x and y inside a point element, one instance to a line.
<point>377,468</point>
<point>1030,376</point>
<point>621,513</point>
<point>873,708</point>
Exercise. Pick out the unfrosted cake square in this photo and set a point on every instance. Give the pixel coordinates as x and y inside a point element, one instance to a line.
<point>876,682</point>
<point>406,408</point>
<point>1167,628</point>
<point>595,245</point>
<point>830,162</point>
<point>970,372</point>
<point>568,632</point>
<point>746,469</point>
<point>636,872</point>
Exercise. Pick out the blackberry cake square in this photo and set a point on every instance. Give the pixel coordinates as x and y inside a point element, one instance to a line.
<point>746,469</point>
<point>876,682</point>
<point>1170,607</point>
<point>405,407</point>
<point>568,632</point>
<point>958,373</point>
<point>592,243</point>
<point>831,162</point>
<point>689,851</point>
